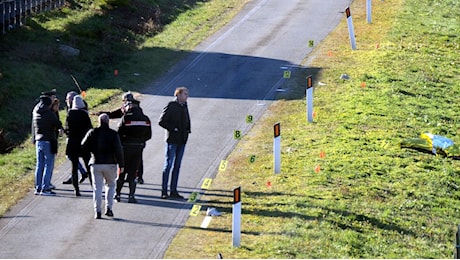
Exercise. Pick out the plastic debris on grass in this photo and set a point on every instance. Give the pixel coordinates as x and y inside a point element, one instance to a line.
<point>434,144</point>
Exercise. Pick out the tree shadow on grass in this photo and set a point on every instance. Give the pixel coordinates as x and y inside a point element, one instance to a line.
<point>346,224</point>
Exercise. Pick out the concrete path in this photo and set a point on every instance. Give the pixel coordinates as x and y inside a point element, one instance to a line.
<point>232,74</point>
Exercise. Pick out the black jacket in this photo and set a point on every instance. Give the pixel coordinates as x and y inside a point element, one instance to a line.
<point>76,126</point>
<point>45,123</point>
<point>104,145</point>
<point>175,119</point>
<point>135,127</point>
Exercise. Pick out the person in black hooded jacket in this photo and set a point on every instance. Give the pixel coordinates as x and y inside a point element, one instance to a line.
<point>134,130</point>
<point>127,99</point>
<point>45,128</point>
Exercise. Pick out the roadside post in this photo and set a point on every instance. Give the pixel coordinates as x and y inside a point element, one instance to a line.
<point>351,30</point>
<point>309,96</point>
<point>369,11</point>
<point>236,217</point>
<point>277,147</point>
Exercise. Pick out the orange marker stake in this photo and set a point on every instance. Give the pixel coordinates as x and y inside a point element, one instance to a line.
<point>377,46</point>
<point>363,84</point>
<point>269,184</point>
<point>115,72</point>
<point>322,154</point>
<point>314,114</point>
<point>330,54</point>
<point>83,94</point>
<point>317,168</point>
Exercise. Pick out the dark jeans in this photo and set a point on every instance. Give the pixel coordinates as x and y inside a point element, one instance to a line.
<point>133,157</point>
<point>173,156</point>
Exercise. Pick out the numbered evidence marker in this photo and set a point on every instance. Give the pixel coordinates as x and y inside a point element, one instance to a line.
<point>236,217</point>
<point>237,134</point>
<point>193,197</point>
<point>351,31</point>
<point>195,210</point>
<point>249,119</point>
<point>287,74</point>
<point>277,147</point>
<point>223,165</point>
<point>309,96</point>
<point>206,183</point>
<point>252,158</point>
<point>311,43</point>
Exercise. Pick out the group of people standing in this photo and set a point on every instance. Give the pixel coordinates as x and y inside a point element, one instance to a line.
<point>111,157</point>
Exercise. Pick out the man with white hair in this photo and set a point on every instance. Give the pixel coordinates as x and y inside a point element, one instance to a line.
<point>106,153</point>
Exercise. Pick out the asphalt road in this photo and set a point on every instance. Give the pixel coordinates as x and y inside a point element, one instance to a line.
<point>234,73</point>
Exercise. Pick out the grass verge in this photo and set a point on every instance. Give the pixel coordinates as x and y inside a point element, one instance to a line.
<point>347,190</point>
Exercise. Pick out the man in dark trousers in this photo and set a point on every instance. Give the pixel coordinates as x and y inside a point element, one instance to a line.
<point>106,152</point>
<point>128,98</point>
<point>175,119</point>
<point>134,130</point>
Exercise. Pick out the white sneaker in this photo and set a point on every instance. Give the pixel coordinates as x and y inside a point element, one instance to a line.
<point>212,212</point>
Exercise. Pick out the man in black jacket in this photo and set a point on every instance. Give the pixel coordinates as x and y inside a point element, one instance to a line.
<point>175,119</point>
<point>134,130</point>
<point>127,99</point>
<point>45,126</point>
<point>106,152</point>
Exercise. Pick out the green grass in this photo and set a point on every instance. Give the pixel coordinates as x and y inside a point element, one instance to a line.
<point>366,197</point>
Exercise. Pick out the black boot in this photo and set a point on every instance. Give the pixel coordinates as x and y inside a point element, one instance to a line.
<point>77,192</point>
<point>68,181</point>
<point>132,191</point>
<point>132,187</point>
<point>83,177</point>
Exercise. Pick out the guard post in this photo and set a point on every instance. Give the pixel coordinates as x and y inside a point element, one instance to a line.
<point>369,11</point>
<point>236,217</point>
<point>309,96</point>
<point>351,30</point>
<point>277,147</point>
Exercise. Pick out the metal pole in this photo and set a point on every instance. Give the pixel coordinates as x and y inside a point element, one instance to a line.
<point>369,11</point>
<point>309,97</point>
<point>236,217</point>
<point>351,30</point>
<point>277,148</point>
